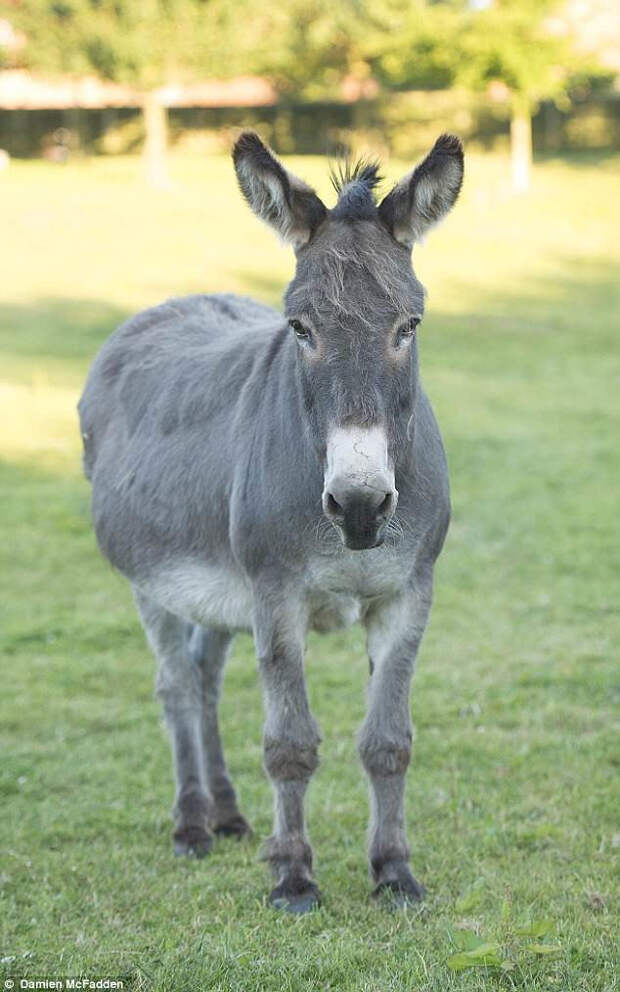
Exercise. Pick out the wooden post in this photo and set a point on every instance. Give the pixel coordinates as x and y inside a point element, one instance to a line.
<point>156,140</point>
<point>521,145</point>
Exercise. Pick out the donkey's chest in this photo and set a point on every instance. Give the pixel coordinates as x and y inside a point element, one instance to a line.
<point>341,589</point>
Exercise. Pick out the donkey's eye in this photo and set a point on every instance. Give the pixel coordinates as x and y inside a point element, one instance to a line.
<point>302,333</point>
<point>407,330</point>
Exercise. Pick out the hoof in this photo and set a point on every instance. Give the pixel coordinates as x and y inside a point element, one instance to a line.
<point>400,892</point>
<point>192,842</point>
<point>295,898</point>
<point>237,827</point>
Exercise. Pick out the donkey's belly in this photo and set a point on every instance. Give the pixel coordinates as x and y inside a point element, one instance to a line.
<point>338,590</point>
<point>210,595</point>
<point>220,597</point>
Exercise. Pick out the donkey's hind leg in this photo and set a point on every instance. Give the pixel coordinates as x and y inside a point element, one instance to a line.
<point>179,686</point>
<point>208,650</point>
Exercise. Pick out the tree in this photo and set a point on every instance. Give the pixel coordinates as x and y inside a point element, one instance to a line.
<point>409,44</point>
<point>511,47</point>
<point>305,47</point>
<point>145,44</point>
<point>512,44</point>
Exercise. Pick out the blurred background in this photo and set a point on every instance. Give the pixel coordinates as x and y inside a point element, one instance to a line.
<point>117,191</point>
<point>84,77</point>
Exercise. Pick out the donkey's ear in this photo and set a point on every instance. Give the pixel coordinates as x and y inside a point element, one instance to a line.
<point>275,195</point>
<point>423,197</point>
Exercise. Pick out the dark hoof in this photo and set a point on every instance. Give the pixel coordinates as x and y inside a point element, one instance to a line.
<point>192,842</point>
<point>401,892</point>
<point>237,827</point>
<point>295,898</point>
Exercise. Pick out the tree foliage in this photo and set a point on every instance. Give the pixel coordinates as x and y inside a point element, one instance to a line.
<point>410,45</point>
<point>307,47</point>
<point>145,43</point>
<point>515,43</point>
<point>518,43</point>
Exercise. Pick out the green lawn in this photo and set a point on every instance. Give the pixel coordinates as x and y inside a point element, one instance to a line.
<point>513,804</point>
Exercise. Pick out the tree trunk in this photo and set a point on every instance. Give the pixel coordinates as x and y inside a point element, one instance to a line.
<point>521,146</point>
<point>156,140</point>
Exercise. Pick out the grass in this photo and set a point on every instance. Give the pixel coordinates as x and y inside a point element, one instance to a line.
<point>513,795</point>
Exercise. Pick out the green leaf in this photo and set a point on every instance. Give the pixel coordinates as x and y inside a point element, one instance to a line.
<point>483,956</point>
<point>537,928</point>
<point>466,940</point>
<point>468,901</point>
<point>542,949</point>
<point>458,962</point>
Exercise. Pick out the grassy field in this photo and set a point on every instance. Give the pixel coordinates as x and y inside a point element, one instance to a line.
<point>513,804</point>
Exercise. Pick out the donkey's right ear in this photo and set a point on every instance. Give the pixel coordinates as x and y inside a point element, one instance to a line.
<point>275,195</point>
<point>423,197</point>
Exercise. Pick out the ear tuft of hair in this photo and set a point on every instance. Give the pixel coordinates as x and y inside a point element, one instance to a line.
<point>449,144</point>
<point>249,144</point>
<point>364,171</point>
<point>446,157</point>
<point>249,148</point>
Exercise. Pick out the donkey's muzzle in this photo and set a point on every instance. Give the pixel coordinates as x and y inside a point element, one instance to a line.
<point>360,512</point>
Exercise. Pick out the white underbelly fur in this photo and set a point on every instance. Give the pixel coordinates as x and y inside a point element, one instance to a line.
<point>206,594</point>
<point>338,590</point>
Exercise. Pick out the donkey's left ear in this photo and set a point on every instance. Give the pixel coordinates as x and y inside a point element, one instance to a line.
<point>423,197</point>
<point>275,195</point>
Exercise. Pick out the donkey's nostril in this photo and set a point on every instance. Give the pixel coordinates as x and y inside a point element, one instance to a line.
<point>333,507</point>
<point>385,506</point>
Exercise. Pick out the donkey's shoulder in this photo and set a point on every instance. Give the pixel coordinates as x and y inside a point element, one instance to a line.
<point>166,342</point>
<point>218,309</point>
<point>200,314</point>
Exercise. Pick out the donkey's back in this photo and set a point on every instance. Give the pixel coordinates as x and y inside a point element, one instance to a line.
<point>161,388</point>
<point>154,353</point>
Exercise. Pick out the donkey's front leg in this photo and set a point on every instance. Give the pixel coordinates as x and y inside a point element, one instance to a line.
<point>291,742</point>
<point>394,634</point>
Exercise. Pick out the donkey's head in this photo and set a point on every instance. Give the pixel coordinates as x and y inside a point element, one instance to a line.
<point>353,307</point>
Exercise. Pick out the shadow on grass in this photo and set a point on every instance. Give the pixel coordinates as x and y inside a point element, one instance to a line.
<point>588,157</point>
<point>56,327</point>
<point>581,301</point>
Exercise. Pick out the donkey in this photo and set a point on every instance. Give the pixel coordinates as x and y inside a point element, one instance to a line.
<point>279,473</point>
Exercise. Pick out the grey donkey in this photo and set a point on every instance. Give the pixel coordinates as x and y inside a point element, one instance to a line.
<point>279,473</point>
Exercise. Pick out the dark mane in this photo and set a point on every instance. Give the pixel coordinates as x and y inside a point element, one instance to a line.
<point>355,183</point>
<point>365,171</point>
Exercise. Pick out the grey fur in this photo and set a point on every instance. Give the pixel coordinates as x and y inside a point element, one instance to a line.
<point>206,422</point>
